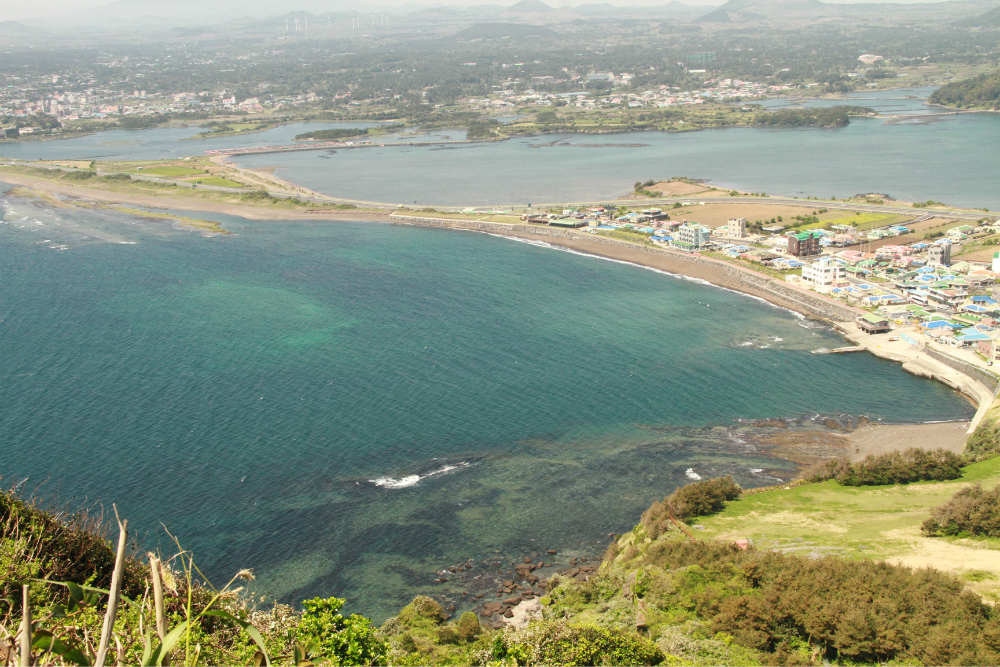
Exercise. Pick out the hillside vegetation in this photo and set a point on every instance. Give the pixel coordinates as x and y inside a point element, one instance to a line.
<point>979,92</point>
<point>838,116</point>
<point>804,574</point>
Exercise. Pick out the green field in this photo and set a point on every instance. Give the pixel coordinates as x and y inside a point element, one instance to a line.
<point>864,522</point>
<point>218,181</point>
<point>171,172</point>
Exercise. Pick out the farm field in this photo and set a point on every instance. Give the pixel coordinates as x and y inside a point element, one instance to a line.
<point>218,181</point>
<point>171,172</point>
<point>865,522</point>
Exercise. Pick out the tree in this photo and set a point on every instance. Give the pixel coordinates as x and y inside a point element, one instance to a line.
<point>343,641</point>
<point>546,117</point>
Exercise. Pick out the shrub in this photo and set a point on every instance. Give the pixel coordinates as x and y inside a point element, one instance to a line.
<point>117,177</point>
<point>78,175</point>
<point>697,499</point>
<point>702,498</point>
<point>343,641</point>
<point>258,196</point>
<point>72,548</point>
<point>984,443</point>
<point>558,643</point>
<point>846,611</point>
<point>331,135</point>
<point>468,627</point>
<point>483,129</point>
<point>912,465</point>
<point>972,511</point>
<point>421,609</point>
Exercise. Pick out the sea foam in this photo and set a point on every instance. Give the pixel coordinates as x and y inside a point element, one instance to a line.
<point>411,480</point>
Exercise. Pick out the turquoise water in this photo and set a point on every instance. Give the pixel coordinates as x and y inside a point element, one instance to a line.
<point>244,390</point>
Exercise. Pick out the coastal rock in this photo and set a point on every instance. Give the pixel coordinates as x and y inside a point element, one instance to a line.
<point>770,423</point>
<point>551,552</point>
<point>512,601</point>
<point>525,612</point>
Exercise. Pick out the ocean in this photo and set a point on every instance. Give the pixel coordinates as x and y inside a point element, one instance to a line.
<point>349,407</point>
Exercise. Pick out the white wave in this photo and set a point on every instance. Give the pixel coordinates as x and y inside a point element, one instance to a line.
<point>777,340</point>
<point>756,470</point>
<point>410,480</point>
<point>747,344</point>
<point>691,474</point>
<point>391,483</point>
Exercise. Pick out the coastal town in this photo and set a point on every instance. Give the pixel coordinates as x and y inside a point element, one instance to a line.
<point>52,106</point>
<point>919,279</point>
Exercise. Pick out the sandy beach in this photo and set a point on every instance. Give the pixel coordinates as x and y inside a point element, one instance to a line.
<point>882,439</point>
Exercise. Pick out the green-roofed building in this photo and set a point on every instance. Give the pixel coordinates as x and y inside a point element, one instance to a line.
<point>871,323</point>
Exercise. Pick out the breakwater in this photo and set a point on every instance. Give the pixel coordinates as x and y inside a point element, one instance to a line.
<point>320,145</point>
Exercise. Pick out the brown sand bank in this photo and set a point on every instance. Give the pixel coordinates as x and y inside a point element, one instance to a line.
<point>881,439</point>
<point>189,203</point>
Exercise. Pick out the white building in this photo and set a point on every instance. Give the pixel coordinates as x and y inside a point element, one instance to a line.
<point>824,272</point>
<point>691,237</point>
<point>737,228</point>
<point>939,254</point>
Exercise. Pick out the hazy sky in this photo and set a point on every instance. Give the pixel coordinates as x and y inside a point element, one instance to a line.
<point>12,11</point>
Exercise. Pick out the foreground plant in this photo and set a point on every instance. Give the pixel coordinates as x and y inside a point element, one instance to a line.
<point>178,618</point>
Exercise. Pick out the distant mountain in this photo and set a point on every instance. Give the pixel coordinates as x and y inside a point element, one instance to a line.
<point>435,12</point>
<point>529,7</point>
<point>159,15</point>
<point>606,9</point>
<point>717,16</point>
<point>979,92</point>
<point>13,28</point>
<point>749,10</point>
<point>990,19</point>
<point>503,30</point>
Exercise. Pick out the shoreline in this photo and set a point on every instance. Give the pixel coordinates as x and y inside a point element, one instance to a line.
<point>682,265</point>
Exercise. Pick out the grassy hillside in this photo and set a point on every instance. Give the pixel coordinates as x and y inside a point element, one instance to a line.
<point>990,19</point>
<point>833,574</point>
<point>864,523</point>
<point>979,92</point>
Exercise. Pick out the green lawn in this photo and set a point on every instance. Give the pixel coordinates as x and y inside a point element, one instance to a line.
<point>171,172</point>
<point>862,522</point>
<point>218,181</point>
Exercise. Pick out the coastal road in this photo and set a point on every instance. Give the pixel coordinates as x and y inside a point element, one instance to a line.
<point>957,214</point>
